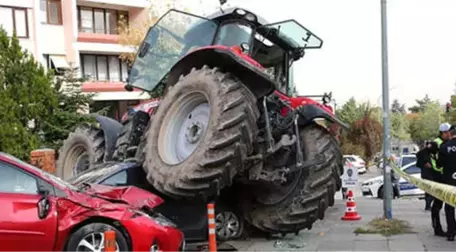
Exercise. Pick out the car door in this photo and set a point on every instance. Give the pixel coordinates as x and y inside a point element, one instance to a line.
<point>407,188</point>
<point>20,227</point>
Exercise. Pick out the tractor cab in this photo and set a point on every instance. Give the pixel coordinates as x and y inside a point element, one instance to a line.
<point>270,47</point>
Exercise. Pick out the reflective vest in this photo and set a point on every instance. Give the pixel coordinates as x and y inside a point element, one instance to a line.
<point>439,141</point>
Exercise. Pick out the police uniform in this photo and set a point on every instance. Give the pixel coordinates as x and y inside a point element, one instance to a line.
<point>437,175</point>
<point>447,158</point>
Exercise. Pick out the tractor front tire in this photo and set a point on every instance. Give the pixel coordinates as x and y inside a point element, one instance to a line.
<point>202,130</point>
<point>83,147</point>
<point>308,200</point>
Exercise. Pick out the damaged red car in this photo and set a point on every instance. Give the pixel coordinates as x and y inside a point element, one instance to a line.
<point>40,212</point>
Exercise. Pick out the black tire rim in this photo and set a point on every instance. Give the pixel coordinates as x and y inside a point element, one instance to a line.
<point>228,225</point>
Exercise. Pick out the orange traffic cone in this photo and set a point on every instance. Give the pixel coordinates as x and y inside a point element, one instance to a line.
<point>350,211</point>
<point>110,241</point>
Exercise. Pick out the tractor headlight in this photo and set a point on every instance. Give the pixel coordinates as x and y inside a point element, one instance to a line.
<point>326,99</point>
<point>250,17</point>
<point>240,12</point>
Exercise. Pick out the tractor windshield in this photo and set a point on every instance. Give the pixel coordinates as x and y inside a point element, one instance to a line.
<point>293,33</point>
<point>175,34</point>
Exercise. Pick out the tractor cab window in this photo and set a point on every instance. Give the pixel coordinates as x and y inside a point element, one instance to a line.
<point>233,34</point>
<point>164,45</point>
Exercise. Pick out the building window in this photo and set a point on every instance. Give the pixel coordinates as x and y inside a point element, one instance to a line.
<point>104,67</point>
<point>103,21</point>
<point>51,11</point>
<point>14,20</point>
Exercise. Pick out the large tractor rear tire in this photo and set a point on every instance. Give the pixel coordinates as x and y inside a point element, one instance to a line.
<point>130,135</point>
<point>83,147</point>
<point>203,128</point>
<point>305,198</point>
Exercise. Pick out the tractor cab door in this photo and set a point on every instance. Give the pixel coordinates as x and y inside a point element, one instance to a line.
<point>171,38</point>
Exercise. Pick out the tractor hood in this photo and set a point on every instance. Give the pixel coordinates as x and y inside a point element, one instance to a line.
<point>131,195</point>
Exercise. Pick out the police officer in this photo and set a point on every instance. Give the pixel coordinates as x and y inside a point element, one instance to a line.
<point>437,176</point>
<point>447,159</point>
<point>423,161</point>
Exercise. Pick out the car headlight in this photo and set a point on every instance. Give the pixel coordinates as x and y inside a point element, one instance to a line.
<point>162,220</point>
<point>377,181</point>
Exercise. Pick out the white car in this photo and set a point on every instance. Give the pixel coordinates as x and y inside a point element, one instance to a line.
<point>357,162</point>
<point>407,159</point>
<point>374,186</point>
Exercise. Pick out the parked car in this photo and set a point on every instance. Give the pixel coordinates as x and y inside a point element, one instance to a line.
<point>374,186</point>
<point>190,217</point>
<point>407,159</point>
<point>41,212</point>
<point>357,162</point>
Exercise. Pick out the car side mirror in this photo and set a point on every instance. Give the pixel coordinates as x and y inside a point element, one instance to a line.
<point>44,206</point>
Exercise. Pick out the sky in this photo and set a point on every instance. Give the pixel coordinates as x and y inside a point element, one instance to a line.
<point>421,46</point>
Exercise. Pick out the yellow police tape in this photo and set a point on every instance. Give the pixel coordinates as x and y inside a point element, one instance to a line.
<point>445,193</point>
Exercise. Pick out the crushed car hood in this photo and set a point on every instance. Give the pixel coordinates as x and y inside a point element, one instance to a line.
<point>131,195</point>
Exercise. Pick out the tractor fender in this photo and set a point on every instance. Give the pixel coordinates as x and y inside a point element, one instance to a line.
<point>309,112</point>
<point>248,71</point>
<point>111,129</point>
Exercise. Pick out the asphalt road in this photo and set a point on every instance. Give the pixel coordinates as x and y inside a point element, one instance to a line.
<point>333,234</point>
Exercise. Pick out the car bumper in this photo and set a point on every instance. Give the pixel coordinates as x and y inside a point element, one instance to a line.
<point>366,191</point>
<point>145,232</point>
<point>362,170</point>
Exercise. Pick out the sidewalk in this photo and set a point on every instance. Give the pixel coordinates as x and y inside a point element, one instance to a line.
<point>332,234</point>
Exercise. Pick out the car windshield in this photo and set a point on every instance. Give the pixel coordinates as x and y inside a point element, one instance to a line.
<point>407,160</point>
<point>94,174</point>
<point>173,36</point>
<point>45,174</point>
<point>293,33</point>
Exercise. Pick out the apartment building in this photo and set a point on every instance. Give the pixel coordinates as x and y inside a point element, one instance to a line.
<point>83,34</point>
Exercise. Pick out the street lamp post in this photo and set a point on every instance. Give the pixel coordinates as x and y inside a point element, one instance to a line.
<point>387,185</point>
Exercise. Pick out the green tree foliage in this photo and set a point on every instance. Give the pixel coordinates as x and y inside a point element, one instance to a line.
<point>364,136</point>
<point>26,98</point>
<point>399,128</point>
<point>68,113</point>
<point>397,107</point>
<point>421,104</point>
<point>451,116</point>
<point>425,125</point>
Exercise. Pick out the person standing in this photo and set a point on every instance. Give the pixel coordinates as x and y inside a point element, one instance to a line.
<point>437,176</point>
<point>447,159</point>
<point>423,161</point>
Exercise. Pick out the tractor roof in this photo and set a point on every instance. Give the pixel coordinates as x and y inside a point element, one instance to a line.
<point>233,12</point>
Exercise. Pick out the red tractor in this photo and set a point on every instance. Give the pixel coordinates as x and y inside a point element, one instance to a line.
<point>227,118</point>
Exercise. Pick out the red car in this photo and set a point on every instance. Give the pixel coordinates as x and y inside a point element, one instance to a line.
<point>40,212</point>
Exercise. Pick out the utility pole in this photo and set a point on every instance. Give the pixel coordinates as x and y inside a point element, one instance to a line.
<point>387,184</point>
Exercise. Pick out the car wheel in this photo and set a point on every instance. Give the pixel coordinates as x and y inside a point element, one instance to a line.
<point>90,237</point>
<point>229,225</point>
<point>381,193</point>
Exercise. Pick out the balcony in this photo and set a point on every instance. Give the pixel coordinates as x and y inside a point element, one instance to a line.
<point>125,3</point>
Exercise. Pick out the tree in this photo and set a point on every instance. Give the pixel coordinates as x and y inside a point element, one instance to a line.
<point>364,136</point>
<point>367,132</point>
<point>68,113</point>
<point>399,126</point>
<point>425,125</point>
<point>350,111</point>
<point>26,98</point>
<point>421,104</point>
<point>397,107</point>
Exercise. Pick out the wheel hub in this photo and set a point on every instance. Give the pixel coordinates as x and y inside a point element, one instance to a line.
<point>227,225</point>
<point>194,132</point>
<point>183,127</point>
